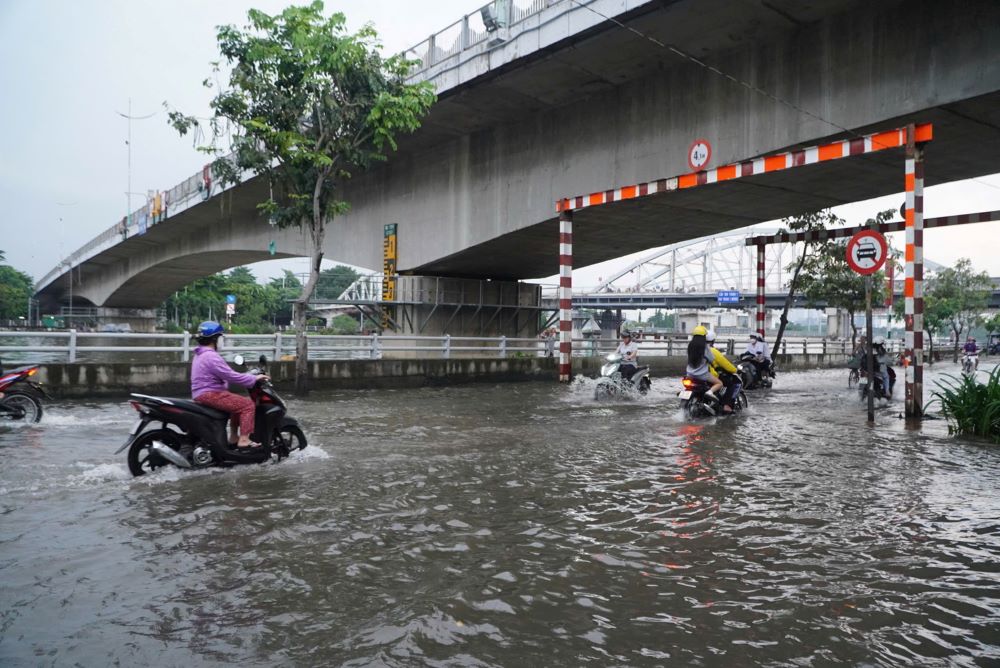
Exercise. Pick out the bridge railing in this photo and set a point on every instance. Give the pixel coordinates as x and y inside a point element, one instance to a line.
<point>494,17</point>
<point>75,346</point>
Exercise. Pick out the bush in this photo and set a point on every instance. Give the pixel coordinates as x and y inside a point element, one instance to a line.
<point>971,407</point>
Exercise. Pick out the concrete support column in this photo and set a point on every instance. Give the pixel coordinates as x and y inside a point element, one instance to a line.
<point>565,295</point>
<point>760,289</point>
<point>913,288</point>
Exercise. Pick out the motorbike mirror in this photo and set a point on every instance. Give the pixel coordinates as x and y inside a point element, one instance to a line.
<point>238,360</point>
<point>263,360</point>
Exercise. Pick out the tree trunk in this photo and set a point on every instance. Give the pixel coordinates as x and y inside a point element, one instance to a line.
<point>958,333</point>
<point>788,301</point>
<point>930,339</point>
<point>317,232</point>
<point>854,330</point>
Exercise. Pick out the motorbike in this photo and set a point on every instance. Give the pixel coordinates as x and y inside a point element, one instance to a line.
<point>22,397</point>
<point>879,386</point>
<point>970,363</point>
<point>750,373</point>
<point>613,384</point>
<point>193,436</point>
<point>697,405</point>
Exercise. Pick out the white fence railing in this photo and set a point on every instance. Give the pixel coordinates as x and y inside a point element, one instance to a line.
<point>71,345</point>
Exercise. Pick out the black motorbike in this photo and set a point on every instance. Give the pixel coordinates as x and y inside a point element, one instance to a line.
<point>696,405</point>
<point>21,396</point>
<point>198,437</point>
<point>751,374</point>
<point>879,387</point>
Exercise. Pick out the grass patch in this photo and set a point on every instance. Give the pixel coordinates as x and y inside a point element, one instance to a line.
<point>971,407</point>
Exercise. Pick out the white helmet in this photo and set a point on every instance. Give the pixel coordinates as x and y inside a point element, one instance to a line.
<point>757,336</point>
<point>710,337</point>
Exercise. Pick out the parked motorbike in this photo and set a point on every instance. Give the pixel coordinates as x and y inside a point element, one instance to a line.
<point>22,397</point>
<point>697,405</point>
<point>750,373</point>
<point>198,437</point>
<point>613,384</point>
<point>879,386</point>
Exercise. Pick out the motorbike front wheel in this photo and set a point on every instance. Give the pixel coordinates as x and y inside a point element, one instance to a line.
<point>289,438</point>
<point>853,377</point>
<point>142,460</point>
<point>644,385</point>
<point>603,391</point>
<point>23,406</point>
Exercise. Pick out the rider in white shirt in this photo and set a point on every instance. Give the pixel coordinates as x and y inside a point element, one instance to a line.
<point>629,350</point>
<point>760,352</point>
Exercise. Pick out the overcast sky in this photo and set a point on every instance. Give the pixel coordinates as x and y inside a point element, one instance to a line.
<point>69,65</point>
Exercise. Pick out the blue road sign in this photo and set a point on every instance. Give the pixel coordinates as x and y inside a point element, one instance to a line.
<point>230,299</point>
<point>728,296</point>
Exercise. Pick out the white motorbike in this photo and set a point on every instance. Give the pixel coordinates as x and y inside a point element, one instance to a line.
<point>613,383</point>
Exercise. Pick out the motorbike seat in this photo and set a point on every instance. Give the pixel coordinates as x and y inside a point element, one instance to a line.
<point>186,404</point>
<point>195,407</point>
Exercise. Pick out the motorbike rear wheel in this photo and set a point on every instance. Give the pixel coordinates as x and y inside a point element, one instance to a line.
<point>142,460</point>
<point>26,406</point>
<point>853,376</point>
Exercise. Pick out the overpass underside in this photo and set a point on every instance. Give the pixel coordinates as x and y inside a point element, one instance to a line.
<point>966,145</point>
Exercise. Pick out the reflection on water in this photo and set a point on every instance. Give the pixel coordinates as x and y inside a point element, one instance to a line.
<point>511,525</point>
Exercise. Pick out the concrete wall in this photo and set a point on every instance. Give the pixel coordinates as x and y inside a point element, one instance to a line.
<point>82,381</point>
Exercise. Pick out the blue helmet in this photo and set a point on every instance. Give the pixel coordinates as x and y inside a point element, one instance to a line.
<point>208,329</point>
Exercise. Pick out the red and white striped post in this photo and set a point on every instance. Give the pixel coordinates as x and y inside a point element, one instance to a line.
<point>913,287</point>
<point>760,289</point>
<point>565,295</point>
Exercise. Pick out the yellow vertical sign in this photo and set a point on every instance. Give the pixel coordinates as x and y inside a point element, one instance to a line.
<point>388,271</point>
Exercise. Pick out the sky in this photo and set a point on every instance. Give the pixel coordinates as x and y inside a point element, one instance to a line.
<point>70,67</point>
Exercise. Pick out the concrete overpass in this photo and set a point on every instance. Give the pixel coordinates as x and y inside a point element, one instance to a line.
<point>566,101</point>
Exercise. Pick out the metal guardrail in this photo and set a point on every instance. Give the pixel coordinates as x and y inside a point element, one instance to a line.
<point>374,346</point>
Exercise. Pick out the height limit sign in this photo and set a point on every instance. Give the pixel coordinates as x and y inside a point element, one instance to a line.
<point>867,252</point>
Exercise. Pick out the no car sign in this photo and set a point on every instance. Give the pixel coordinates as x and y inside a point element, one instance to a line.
<point>867,252</point>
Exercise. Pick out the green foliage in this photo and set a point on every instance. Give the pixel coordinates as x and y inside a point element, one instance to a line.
<point>957,295</point>
<point>307,105</point>
<point>16,287</point>
<point>992,324</point>
<point>662,320</point>
<point>258,307</point>
<point>971,407</point>
<point>332,282</point>
<point>343,324</point>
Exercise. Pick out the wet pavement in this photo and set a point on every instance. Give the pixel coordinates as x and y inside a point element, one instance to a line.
<point>511,525</point>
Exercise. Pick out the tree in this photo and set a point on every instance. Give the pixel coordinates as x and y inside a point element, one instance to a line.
<point>333,281</point>
<point>308,104</point>
<point>960,294</point>
<point>808,222</point>
<point>827,278</point>
<point>16,288</point>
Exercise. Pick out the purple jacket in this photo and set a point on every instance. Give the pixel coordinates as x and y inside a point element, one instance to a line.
<point>210,373</point>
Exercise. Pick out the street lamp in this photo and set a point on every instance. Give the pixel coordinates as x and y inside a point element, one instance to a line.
<point>128,142</point>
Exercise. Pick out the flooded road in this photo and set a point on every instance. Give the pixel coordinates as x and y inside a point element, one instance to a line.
<point>511,525</point>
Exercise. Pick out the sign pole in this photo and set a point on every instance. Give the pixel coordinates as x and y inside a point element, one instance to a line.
<point>870,349</point>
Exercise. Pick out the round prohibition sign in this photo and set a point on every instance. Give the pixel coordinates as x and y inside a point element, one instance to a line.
<point>699,153</point>
<point>867,252</point>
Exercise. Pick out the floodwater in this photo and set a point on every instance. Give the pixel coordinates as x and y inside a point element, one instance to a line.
<point>511,525</point>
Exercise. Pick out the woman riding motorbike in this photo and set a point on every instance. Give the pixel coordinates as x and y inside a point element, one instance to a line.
<point>210,376</point>
<point>629,350</point>
<point>701,357</point>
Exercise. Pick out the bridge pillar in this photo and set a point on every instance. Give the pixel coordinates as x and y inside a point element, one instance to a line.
<point>760,289</point>
<point>565,295</point>
<point>913,289</point>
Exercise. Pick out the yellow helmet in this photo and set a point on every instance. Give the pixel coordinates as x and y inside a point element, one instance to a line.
<point>699,331</point>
